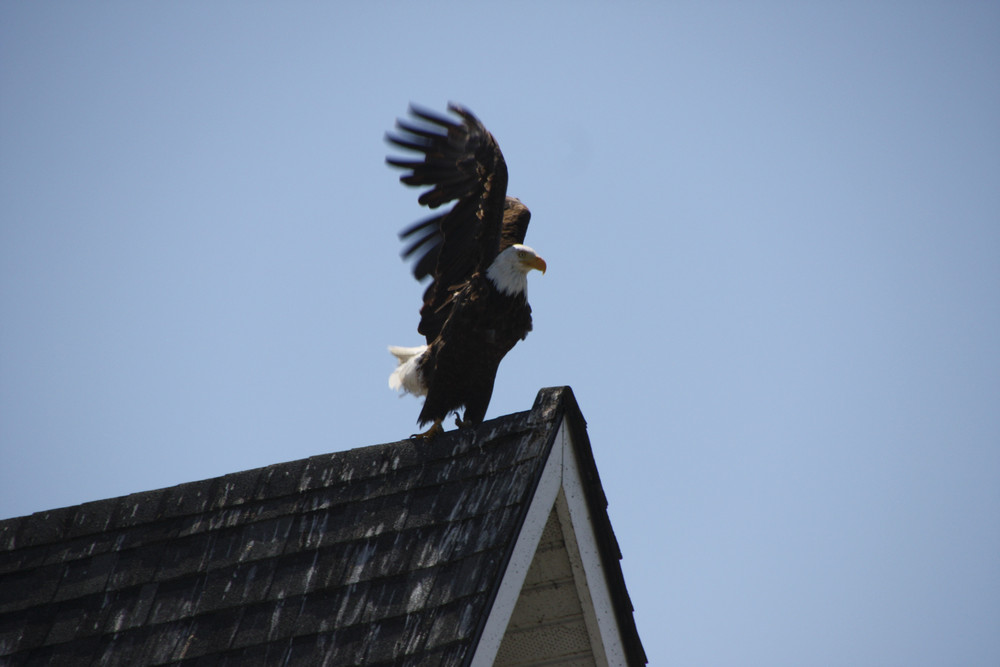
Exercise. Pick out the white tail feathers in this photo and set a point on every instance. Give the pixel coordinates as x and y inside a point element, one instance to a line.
<point>407,374</point>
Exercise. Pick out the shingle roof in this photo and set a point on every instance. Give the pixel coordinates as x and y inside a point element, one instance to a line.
<point>390,554</point>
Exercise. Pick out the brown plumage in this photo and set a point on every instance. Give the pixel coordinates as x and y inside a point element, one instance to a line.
<point>475,308</point>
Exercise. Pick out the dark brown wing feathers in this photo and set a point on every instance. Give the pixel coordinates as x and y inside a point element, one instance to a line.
<point>461,162</point>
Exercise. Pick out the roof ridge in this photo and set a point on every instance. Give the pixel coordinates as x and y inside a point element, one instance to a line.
<point>229,490</point>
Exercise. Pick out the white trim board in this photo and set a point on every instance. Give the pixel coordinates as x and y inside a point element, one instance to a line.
<point>560,490</point>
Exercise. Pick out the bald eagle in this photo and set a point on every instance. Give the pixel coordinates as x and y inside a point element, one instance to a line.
<point>476,306</point>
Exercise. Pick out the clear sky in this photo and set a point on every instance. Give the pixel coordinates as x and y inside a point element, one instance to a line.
<point>773,238</point>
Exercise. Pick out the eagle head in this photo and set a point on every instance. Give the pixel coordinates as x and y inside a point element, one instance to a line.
<point>509,271</point>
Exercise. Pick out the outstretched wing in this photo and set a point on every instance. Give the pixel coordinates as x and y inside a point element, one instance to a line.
<point>461,162</point>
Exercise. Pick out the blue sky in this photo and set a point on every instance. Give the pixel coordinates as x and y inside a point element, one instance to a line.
<point>773,238</point>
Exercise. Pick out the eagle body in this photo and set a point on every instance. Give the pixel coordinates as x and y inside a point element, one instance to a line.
<point>461,364</point>
<point>476,307</point>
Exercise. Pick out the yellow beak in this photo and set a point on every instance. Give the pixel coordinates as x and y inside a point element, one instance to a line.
<point>536,263</point>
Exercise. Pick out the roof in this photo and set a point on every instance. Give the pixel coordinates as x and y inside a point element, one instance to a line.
<point>403,553</point>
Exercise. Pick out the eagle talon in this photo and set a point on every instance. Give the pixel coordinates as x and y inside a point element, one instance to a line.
<point>458,422</point>
<point>430,433</point>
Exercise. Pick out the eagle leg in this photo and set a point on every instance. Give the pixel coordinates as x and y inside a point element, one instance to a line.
<point>460,423</point>
<point>430,433</point>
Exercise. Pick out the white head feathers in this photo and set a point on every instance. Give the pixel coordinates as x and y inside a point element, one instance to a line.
<point>509,271</point>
